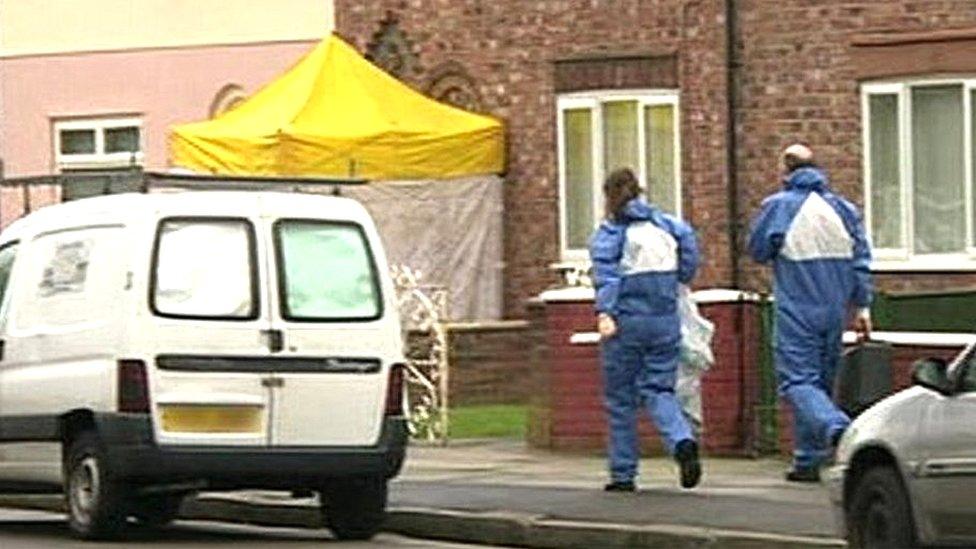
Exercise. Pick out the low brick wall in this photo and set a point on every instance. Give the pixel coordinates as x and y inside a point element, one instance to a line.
<point>567,398</point>
<point>490,363</point>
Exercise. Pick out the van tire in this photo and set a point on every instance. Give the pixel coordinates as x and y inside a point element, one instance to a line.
<point>94,500</point>
<point>355,508</point>
<point>156,511</point>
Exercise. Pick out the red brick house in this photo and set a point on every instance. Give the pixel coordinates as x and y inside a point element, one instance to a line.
<point>584,85</point>
<point>700,96</point>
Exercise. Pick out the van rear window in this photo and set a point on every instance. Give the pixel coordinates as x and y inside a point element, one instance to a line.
<point>7,255</point>
<point>205,268</point>
<point>326,272</point>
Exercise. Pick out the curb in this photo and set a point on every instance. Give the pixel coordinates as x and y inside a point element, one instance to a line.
<point>544,533</point>
<point>494,528</point>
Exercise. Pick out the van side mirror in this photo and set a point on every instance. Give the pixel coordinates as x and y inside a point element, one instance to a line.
<point>932,373</point>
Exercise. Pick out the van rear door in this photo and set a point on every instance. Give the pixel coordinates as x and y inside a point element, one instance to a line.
<point>337,337</point>
<point>208,327</point>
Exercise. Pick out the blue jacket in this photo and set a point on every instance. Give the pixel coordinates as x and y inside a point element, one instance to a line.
<point>639,260</point>
<point>816,242</point>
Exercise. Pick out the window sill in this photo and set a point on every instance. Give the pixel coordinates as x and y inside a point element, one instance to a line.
<point>926,264</point>
<point>917,339</point>
<point>65,166</point>
<point>133,159</point>
<point>905,339</point>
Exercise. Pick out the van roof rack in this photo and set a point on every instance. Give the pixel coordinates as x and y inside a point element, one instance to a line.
<point>247,182</point>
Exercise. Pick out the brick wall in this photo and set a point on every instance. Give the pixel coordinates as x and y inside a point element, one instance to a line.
<point>509,49</point>
<point>490,363</point>
<point>568,407</point>
<point>539,431</point>
<point>799,82</point>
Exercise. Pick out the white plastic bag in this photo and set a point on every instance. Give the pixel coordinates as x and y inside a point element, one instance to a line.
<point>696,357</point>
<point>696,333</point>
<point>688,390</point>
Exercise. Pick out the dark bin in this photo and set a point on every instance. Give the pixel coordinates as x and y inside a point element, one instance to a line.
<point>865,376</point>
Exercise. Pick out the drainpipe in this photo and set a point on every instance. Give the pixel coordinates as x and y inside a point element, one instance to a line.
<point>749,411</point>
<point>732,99</point>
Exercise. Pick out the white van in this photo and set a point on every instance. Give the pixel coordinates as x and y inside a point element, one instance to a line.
<point>155,345</point>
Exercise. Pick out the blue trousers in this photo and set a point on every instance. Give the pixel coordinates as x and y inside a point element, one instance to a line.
<point>639,369</point>
<point>807,357</point>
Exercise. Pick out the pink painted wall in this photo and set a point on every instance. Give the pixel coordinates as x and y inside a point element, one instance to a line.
<point>164,86</point>
<point>17,201</point>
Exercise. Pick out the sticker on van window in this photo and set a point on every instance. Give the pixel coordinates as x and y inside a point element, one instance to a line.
<point>67,270</point>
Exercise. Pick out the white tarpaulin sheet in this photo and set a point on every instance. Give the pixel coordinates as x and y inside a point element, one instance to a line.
<point>448,230</point>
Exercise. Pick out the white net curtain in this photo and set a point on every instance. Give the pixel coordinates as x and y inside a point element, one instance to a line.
<point>939,173</point>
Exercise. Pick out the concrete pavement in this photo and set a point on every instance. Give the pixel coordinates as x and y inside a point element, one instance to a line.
<point>502,492</point>
<point>743,494</point>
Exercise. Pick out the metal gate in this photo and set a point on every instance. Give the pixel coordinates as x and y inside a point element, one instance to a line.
<point>423,313</point>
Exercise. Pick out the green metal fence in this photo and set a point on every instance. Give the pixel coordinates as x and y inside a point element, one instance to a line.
<point>767,412</point>
<point>942,311</point>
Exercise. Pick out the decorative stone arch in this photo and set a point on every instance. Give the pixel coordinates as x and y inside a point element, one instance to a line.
<point>391,50</point>
<point>450,82</point>
<point>228,97</point>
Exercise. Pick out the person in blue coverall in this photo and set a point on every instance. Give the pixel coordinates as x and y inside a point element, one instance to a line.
<point>640,255</point>
<point>821,262</point>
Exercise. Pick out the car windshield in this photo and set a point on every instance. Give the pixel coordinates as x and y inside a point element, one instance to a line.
<point>326,271</point>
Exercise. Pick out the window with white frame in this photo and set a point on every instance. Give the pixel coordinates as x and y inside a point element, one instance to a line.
<point>918,173</point>
<point>98,142</point>
<point>601,131</point>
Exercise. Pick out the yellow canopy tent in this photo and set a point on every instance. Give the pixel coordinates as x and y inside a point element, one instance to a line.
<point>334,114</point>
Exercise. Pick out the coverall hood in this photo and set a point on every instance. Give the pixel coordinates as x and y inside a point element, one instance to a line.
<point>638,209</point>
<point>808,178</point>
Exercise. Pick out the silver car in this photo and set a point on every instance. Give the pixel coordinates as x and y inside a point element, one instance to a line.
<point>905,472</point>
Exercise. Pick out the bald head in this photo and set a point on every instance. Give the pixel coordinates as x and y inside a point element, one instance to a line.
<point>797,155</point>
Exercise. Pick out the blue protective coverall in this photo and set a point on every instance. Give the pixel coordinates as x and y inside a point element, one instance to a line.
<point>638,261</point>
<point>821,261</point>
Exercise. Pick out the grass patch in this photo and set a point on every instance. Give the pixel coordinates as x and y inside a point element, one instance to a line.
<point>489,421</point>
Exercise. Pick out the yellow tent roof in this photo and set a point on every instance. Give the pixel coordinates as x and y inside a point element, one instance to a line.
<point>334,114</point>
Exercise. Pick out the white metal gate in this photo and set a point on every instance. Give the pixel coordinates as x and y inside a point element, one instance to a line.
<point>423,312</point>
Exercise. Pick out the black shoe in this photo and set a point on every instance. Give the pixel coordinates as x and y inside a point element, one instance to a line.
<point>803,474</point>
<point>686,453</point>
<point>618,486</point>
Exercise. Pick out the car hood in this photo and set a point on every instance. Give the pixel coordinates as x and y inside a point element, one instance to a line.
<point>891,422</point>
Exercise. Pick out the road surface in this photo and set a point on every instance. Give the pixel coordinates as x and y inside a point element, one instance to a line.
<point>38,530</point>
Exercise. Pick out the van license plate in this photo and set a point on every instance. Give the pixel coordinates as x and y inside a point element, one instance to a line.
<point>211,419</point>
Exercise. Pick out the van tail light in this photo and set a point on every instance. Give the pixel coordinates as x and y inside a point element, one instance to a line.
<point>133,387</point>
<point>394,391</point>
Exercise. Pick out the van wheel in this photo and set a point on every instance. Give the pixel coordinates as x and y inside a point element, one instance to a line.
<point>95,501</point>
<point>156,511</point>
<point>879,515</point>
<point>355,508</point>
